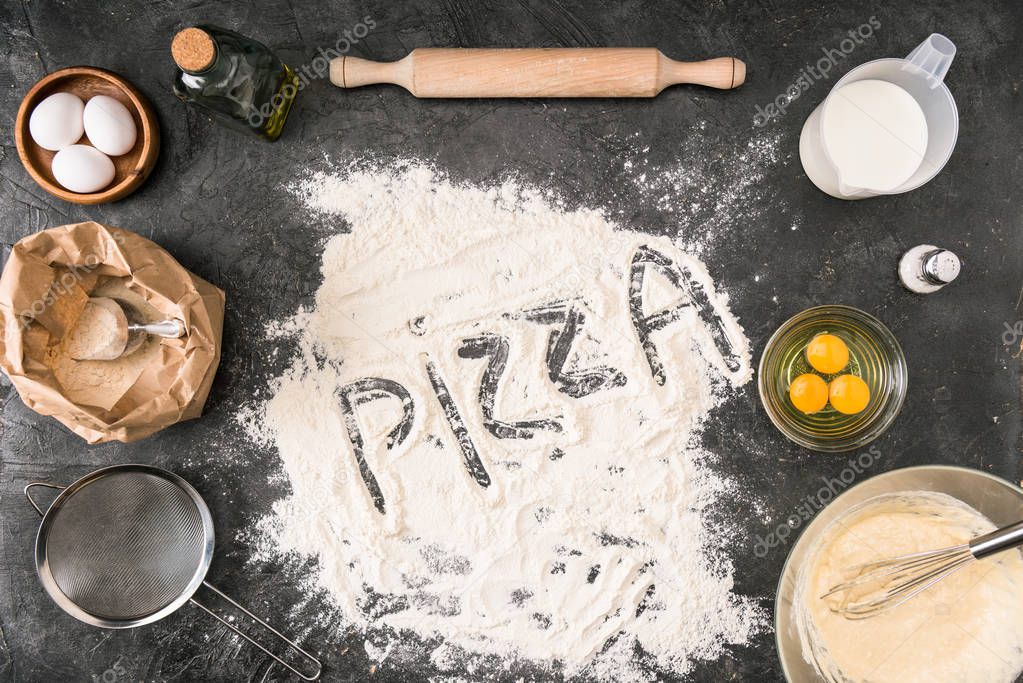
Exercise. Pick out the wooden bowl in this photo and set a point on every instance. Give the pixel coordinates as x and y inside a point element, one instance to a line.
<point>130,170</point>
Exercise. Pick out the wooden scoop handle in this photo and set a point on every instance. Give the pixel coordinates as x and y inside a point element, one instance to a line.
<point>537,72</point>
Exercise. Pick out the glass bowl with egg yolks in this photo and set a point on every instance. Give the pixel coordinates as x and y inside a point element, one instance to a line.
<point>874,356</point>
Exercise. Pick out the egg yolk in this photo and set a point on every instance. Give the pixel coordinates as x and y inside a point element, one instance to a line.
<point>827,353</point>
<point>808,393</point>
<point>849,394</point>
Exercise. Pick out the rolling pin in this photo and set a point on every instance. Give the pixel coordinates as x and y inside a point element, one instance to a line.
<point>537,72</point>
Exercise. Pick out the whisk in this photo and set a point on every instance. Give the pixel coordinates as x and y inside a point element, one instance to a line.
<point>879,586</point>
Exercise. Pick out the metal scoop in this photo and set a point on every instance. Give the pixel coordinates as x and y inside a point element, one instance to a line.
<point>110,328</point>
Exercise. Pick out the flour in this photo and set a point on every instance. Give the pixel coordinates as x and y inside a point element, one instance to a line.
<point>712,194</point>
<point>482,450</point>
<point>101,331</point>
<point>102,383</point>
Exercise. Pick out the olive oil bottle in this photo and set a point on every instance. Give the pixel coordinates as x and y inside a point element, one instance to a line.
<point>236,79</point>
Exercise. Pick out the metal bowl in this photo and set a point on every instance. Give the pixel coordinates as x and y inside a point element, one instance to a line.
<point>995,498</point>
<point>875,357</point>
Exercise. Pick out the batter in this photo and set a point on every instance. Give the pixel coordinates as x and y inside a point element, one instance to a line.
<point>966,628</point>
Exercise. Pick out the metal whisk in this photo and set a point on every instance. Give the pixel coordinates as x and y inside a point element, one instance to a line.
<point>879,586</point>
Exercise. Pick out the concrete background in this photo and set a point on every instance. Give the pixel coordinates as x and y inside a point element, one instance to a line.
<point>215,201</point>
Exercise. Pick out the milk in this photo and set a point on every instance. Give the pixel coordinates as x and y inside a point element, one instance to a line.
<point>875,134</point>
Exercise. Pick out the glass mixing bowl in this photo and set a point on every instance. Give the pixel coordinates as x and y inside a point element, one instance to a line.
<point>874,355</point>
<point>995,498</point>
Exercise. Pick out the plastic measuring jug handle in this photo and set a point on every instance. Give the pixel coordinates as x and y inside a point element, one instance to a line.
<point>934,56</point>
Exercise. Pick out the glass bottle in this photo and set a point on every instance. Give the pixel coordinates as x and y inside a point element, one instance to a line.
<point>237,79</point>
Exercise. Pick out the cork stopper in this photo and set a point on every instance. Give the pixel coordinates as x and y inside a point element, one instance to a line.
<point>193,49</point>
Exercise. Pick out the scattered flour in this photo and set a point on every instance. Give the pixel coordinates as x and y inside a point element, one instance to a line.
<point>568,525</point>
<point>710,194</point>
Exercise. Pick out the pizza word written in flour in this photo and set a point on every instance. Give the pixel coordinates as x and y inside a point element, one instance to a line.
<point>568,319</point>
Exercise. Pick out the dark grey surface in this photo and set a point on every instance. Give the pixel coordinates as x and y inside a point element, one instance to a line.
<point>215,201</point>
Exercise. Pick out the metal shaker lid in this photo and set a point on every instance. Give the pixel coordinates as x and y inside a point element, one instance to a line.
<point>926,268</point>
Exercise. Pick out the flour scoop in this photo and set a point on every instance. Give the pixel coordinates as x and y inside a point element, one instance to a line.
<point>128,545</point>
<point>110,328</point>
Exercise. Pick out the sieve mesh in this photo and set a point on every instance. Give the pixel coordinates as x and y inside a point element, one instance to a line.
<point>125,545</point>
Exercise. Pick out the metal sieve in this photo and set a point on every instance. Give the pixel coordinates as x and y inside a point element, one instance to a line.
<point>127,545</point>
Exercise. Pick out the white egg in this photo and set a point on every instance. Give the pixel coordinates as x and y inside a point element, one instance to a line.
<point>82,169</point>
<point>109,125</point>
<point>57,121</point>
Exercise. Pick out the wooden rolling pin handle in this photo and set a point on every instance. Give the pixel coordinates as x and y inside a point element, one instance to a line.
<point>723,73</point>
<point>353,72</point>
<point>550,72</point>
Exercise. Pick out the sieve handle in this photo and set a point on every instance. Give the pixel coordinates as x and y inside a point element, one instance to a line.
<point>292,645</point>
<point>28,493</point>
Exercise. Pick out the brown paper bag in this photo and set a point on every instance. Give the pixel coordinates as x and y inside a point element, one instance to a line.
<point>43,289</point>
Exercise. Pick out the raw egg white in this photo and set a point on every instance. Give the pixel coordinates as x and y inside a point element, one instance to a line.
<point>109,125</point>
<point>57,121</point>
<point>82,169</point>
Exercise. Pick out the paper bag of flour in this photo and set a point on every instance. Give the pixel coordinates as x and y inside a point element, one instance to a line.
<point>49,277</point>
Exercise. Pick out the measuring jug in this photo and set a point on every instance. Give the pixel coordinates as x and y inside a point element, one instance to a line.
<point>920,74</point>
